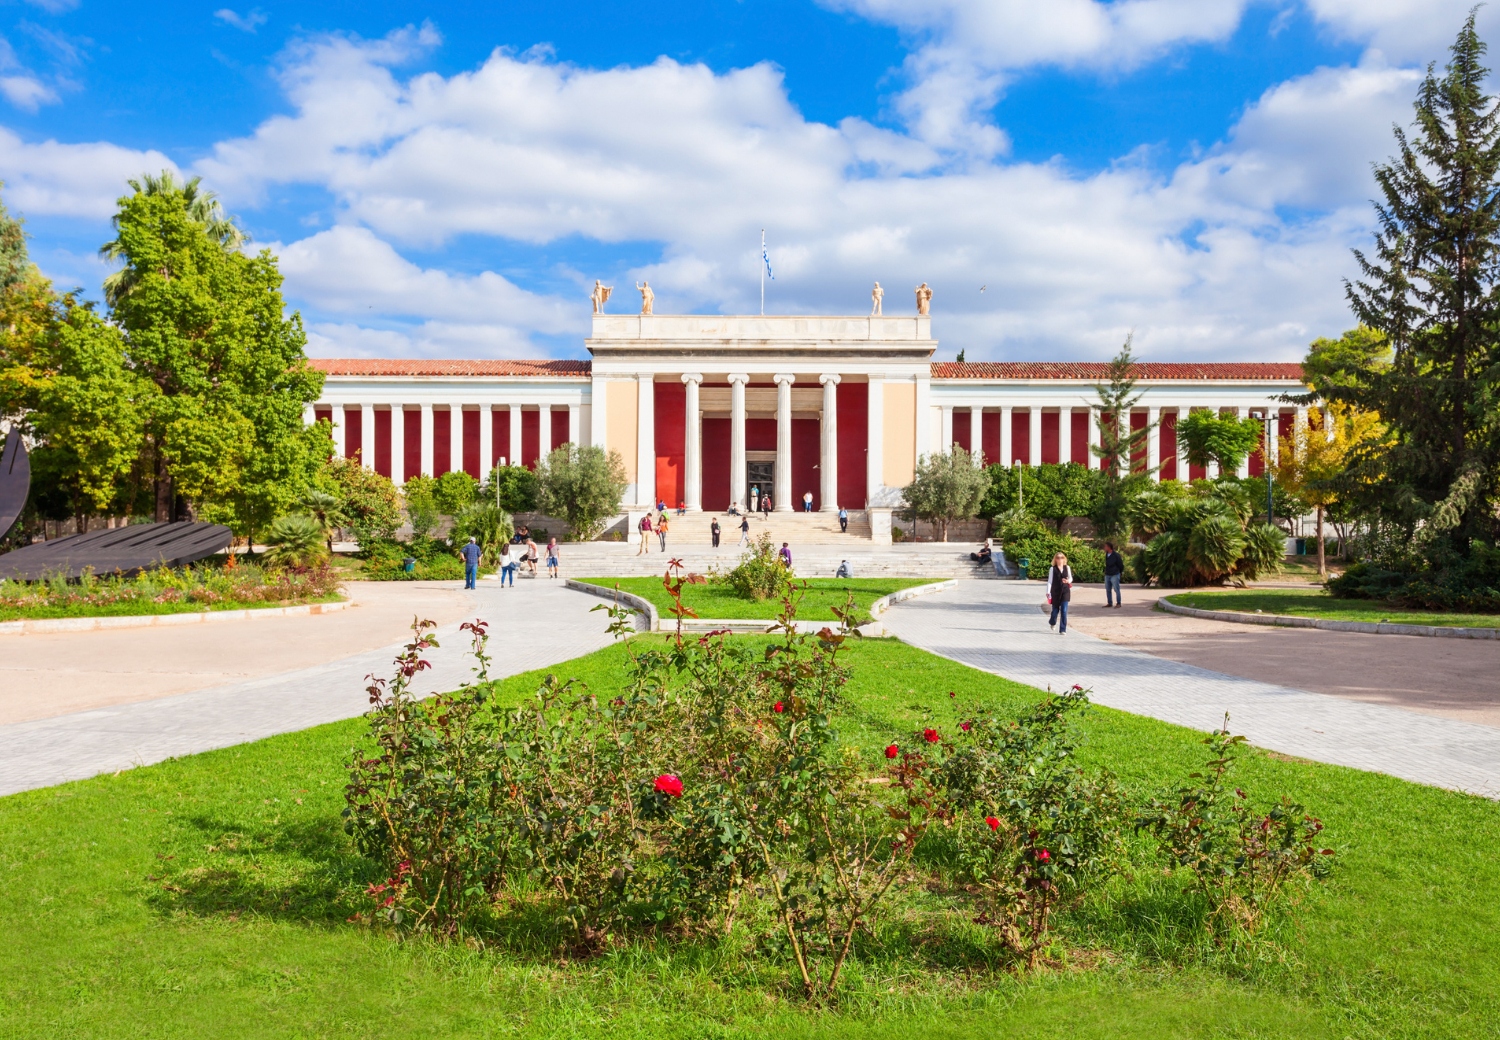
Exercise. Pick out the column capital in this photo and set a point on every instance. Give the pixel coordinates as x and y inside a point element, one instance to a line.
<point>784,377</point>
<point>829,378</point>
<point>695,378</point>
<point>738,377</point>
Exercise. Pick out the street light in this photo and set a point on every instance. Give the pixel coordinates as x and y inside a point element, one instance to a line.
<point>1020,486</point>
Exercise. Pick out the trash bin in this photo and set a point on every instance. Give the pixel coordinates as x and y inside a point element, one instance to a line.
<point>409,564</point>
<point>1301,546</point>
<point>1024,564</point>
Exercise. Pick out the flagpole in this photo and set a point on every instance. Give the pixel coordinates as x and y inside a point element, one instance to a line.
<point>762,273</point>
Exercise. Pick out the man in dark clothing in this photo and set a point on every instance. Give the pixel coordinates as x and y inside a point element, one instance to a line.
<point>471,554</point>
<point>713,529</point>
<point>1114,567</point>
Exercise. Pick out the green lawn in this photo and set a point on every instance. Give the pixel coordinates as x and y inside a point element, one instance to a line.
<point>209,897</point>
<point>140,608</point>
<point>721,602</point>
<point>1317,603</point>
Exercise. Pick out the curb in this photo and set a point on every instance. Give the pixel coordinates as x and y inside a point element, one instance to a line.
<point>636,603</point>
<point>197,617</point>
<point>1381,628</point>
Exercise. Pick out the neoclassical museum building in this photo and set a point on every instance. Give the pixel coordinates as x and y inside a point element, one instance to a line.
<point>707,409</point>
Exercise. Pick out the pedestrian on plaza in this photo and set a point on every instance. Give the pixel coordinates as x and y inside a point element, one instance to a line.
<point>1114,567</point>
<point>645,529</point>
<point>553,570</point>
<point>844,571</point>
<point>531,554</point>
<point>682,509</point>
<point>661,505</point>
<point>661,530</point>
<point>755,498</point>
<point>786,556</point>
<point>744,531</point>
<point>807,501</point>
<point>843,520</point>
<point>507,566</point>
<point>471,554</point>
<point>713,530</point>
<point>765,506</point>
<point>1059,592</point>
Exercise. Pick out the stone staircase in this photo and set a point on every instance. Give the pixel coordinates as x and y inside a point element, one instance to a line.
<point>795,528</point>
<point>809,560</point>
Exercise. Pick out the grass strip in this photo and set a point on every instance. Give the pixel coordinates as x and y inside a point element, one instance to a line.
<point>723,603</point>
<point>1319,604</point>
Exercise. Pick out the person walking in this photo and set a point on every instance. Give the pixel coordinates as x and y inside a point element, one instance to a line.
<point>786,556</point>
<point>645,529</point>
<point>807,501</point>
<point>843,520</point>
<point>1114,568</point>
<point>744,531</point>
<point>765,506</point>
<point>661,530</point>
<point>713,531</point>
<point>1059,592</point>
<point>507,565</point>
<point>531,554</point>
<point>471,554</point>
<point>553,570</point>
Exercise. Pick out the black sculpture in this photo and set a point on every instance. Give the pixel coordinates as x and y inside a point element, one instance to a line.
<point>125,550</point>
<point>15,480</point>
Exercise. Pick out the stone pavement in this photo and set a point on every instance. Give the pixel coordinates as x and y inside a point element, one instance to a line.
<point>532,625</point>
<point>997,627</point>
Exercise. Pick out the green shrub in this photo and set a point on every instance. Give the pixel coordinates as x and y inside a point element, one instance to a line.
<point>1086,561</point>
<point>488,525</point>
<point>420,495</point>
<point>760,574</point>
<point>518,488</point>
<point>1201,533</point>
<point>454,491</point>
<point>296,541</point>
<point>583,485</point>
<point>368,503</point>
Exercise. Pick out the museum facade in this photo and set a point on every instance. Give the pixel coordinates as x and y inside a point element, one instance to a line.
<point>711,410</point>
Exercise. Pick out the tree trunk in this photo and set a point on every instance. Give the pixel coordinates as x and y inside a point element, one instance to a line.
<point>1322,562</point>
<point>163,490</point>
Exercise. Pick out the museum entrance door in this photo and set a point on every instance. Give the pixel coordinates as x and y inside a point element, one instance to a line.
<point>759,475</point>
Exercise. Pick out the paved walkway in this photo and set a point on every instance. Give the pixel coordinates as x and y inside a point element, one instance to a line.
<point>997,626</point>
<point>534,624</point>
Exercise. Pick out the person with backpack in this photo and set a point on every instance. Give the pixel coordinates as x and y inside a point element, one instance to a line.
<point>1114,568</point>
<point>507,566</point>
<point>1059,592</point>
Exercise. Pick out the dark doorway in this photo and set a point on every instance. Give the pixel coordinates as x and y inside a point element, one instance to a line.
<point>759,474</point>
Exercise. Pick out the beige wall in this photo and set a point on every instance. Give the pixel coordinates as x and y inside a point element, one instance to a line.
<point>620,413</point>
<point>899,458</point>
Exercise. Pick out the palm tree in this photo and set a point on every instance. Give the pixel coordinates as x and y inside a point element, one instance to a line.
<point>202,207</point>
<point>324,508</point>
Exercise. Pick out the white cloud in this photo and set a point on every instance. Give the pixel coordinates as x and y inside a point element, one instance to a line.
<point>1416,31</point>
<point>247,22</point>
<point>72,180</point>
<point>27,92</point>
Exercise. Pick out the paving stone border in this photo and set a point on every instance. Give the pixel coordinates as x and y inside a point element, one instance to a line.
<point>192,617</point>
<point>1381,628</point>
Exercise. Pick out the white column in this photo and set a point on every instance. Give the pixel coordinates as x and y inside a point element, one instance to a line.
<point>783,483</point>
<point>456,438</point>
<point>1094,460</point>
<point>1244,470</point>
<point>517,457</point>
<point>1273,437</point>
<point>875,440</point>
<point>340,430</point>
<point>309,414</point>
<point>976,432</point>
<point>829,428</point>
<point>1034,449</point>
<point>1065,434</point>
<point>544,431</point>
<point>575,423</point>
<point>367,436</point>
<point>1007,442</point>
<point>737,383</point>
<point>427,463</point>
<point>693,443</point>
<point>924,416</point>
<point>398,444</point>
<point>1212,469</point>
<point>945,441</point>
<point>486,440</point>
<point>645,440</point>
<point>1153,443</point>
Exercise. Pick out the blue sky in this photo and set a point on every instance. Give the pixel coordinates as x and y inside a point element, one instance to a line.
<point>447,181</point>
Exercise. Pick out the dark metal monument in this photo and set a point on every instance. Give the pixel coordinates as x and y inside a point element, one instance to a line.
<point>127,550</point>
<point>15,480</point>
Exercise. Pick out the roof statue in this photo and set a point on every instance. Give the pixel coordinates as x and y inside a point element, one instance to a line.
<point>648,298</point>
<point>924,299</point>
<point>600,295</point>
<point>877,294</point>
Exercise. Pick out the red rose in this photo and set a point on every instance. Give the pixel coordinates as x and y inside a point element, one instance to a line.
<point>931,736</point>
<point>669,785</point>
<point>892,751</point>
<point>1043,856</point>
<point>778,707</point>
<point>993,822</point>
<point>965,726</point>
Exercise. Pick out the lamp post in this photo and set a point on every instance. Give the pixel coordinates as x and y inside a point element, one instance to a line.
<point>1020,486</point>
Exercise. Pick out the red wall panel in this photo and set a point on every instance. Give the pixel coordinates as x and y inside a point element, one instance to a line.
<point>322,415</point>
<point>442,442</point>
<point>962,431</point>
<point>671,442</point>
<point>854,431</point>
<point>760,434</point>
<point>1258,457</point>
<point>1168,445</point>
<point>531,421</point>
<point>354,427</point>
<point>806,449</point>
<point>411,425</point>
<point>473,465</point>
<point>1020,437</point>
<point>1080,445</point>
<point>500,417</point>
<point>559,428</point>
<point>1197,472</point>
<point>1138,458</point>
<point>383,442</point>
<point>716,467</point>
<point>990,437</point>
<point>1051,436</point>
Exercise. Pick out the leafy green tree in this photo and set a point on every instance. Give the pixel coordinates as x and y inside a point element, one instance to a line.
<point>1203,533</point>
<point>513,488</point>
<point>583,485</point>
<point>368,502</point>
<point>1052,492</point>
<point>454,491</point>
<point>488,524</point>
<point>1224,440</point>
<point>1431,288</point>
<point>947,487</point>
<point>205,327</point>
<point>1346,361</point>
<point>200,206</point>
<point>1119,443</point>
<point>15,262</point>
<point>420,496</point>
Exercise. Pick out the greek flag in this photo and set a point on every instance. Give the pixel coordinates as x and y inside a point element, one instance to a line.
<point>766,258</point>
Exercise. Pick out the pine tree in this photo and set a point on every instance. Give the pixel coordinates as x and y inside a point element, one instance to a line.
<point>1121,448</point>
<point>1432,289</point>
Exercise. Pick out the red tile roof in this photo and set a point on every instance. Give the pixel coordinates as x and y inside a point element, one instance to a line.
<point>447,367</point>
<point>1099,370</point>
